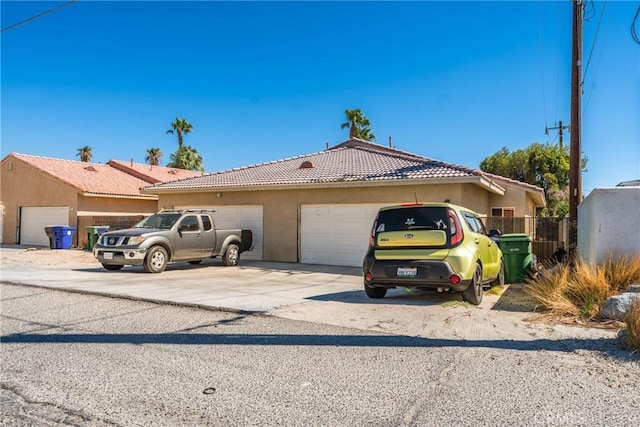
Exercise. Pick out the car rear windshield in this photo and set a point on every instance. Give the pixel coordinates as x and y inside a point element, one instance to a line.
<point>415,218</point>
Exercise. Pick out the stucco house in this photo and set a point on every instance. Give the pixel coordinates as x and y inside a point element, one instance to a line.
<point>42,191</point>
<point>318,208</point>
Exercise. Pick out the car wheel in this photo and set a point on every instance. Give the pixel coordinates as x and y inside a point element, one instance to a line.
<point>231,255</point>
<point>375,292</point>
<point>195,262</point>
<point>156,260</point>
<point>112,266</point>
<point>473,294</point>
<point>499,281</point>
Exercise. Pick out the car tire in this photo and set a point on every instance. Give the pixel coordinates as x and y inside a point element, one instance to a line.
<point>112,267</point>
<point>195,262</point>
<point>231,256</point>
<point>473,294</point>
<point>375,291</point>
<point>499,281</point>
<point>156,260</point>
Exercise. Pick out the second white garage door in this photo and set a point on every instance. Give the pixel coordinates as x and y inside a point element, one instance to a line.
<point>335,234</point>
<point>33,220</point>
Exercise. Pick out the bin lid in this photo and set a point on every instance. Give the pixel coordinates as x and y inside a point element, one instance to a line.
<point>515,237</point>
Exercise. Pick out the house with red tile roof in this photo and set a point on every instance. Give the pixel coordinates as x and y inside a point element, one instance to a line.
<point>43,191</point>
<point>318,208</point>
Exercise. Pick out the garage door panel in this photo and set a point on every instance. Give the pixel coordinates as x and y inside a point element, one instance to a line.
<point>34,219</point>
<point>244,217</point>
<point>335,234</point>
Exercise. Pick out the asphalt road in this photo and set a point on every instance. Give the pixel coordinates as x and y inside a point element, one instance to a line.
<point>86,360</point>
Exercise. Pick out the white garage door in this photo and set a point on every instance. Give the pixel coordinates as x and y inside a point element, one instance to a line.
<point>247,217</point>
<point>33,220</point>
<point>335,234</point>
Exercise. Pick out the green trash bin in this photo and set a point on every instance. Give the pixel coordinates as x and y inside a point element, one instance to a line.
<point>93,232</point>
<point>518,256</point>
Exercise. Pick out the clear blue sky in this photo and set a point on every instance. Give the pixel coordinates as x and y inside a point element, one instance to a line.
<point>261,81</point>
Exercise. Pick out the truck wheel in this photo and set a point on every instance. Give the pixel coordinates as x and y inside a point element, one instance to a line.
<point>156,260</point>
<point>112,266</point>
<point>231,255</point>
<point>474,292</point>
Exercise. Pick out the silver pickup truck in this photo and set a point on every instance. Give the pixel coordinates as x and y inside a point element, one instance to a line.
<point>171,235</point>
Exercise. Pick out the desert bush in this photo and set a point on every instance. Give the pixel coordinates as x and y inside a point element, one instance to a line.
<point>622,271</point>
<point>633,327</point>
<point>579,289</point>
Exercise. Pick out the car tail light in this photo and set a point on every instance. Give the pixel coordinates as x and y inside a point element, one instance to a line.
<point>368,277</point>
<point>455,279</point>
<point>457,234</point>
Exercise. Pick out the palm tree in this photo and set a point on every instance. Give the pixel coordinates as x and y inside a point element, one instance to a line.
<point>186,157</point>
<point>358,124</point>
<point>180,127</point>
<point>153,156</point>
<point>85,154</point>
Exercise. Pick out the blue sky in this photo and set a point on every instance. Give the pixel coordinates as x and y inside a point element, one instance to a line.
<point>261,81</point>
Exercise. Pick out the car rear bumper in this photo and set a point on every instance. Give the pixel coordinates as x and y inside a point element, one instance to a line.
<point>428,274</point>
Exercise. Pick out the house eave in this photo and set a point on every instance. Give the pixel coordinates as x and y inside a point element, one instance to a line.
<point>120,196</point>
<point>488,184</point>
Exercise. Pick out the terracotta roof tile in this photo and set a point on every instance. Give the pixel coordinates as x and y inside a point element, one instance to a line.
<point>351,161</point>
<point>92,178</point>
<point>152,174</point>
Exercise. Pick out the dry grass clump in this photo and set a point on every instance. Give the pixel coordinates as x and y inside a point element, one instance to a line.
<point>580,289</point>
<point>633,327</point>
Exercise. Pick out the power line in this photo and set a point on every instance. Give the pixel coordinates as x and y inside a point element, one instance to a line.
<point>17,24</point>
<point>595,38</point>
<point>634,35</point>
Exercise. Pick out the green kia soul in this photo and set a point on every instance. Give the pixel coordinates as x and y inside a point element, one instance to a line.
<point>434,246</point>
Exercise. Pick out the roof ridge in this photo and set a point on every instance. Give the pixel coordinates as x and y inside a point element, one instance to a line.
<point>272,162</point>
<point>53,158</point>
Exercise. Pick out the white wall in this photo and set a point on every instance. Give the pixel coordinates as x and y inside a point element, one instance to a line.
<point>609,223</point>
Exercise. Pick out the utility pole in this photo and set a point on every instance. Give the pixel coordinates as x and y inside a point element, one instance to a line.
<point>560,129</point>
<point>575,161</point>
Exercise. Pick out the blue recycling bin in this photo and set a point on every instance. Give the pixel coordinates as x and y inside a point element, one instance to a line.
<point>62,236</point>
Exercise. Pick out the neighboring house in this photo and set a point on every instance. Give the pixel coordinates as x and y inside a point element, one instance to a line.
<point>319,208</point>
<point>42,191</point>
<point>607,223</point>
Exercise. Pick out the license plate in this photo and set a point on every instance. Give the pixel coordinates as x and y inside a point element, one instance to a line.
<point>407,271</point>
<point>108,255</point>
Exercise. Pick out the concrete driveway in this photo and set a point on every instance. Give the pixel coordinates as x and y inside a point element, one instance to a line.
<point>314,293</point>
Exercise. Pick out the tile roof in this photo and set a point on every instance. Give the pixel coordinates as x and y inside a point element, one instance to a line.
<point>87,178</point>
<point>351,161</point>
<point>152,174</point>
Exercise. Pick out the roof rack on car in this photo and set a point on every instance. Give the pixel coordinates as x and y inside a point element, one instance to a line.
<point>190,210</point>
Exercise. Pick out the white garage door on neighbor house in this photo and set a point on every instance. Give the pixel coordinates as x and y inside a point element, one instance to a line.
<point>33,220</point>
<point>336,234</point>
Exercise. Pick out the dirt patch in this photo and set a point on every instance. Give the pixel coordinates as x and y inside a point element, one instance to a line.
<point>20,256</point>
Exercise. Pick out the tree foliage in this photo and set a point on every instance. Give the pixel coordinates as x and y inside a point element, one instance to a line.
<point>186,157</point>
<point>153,156</point>
<point>358,124</point>
<point>180,127</point>
<point>543,165</point>
<point>84,153</point>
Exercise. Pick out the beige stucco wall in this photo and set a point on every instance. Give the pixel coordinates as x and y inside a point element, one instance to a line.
<point>281,208</point>
<point>25,186</point>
